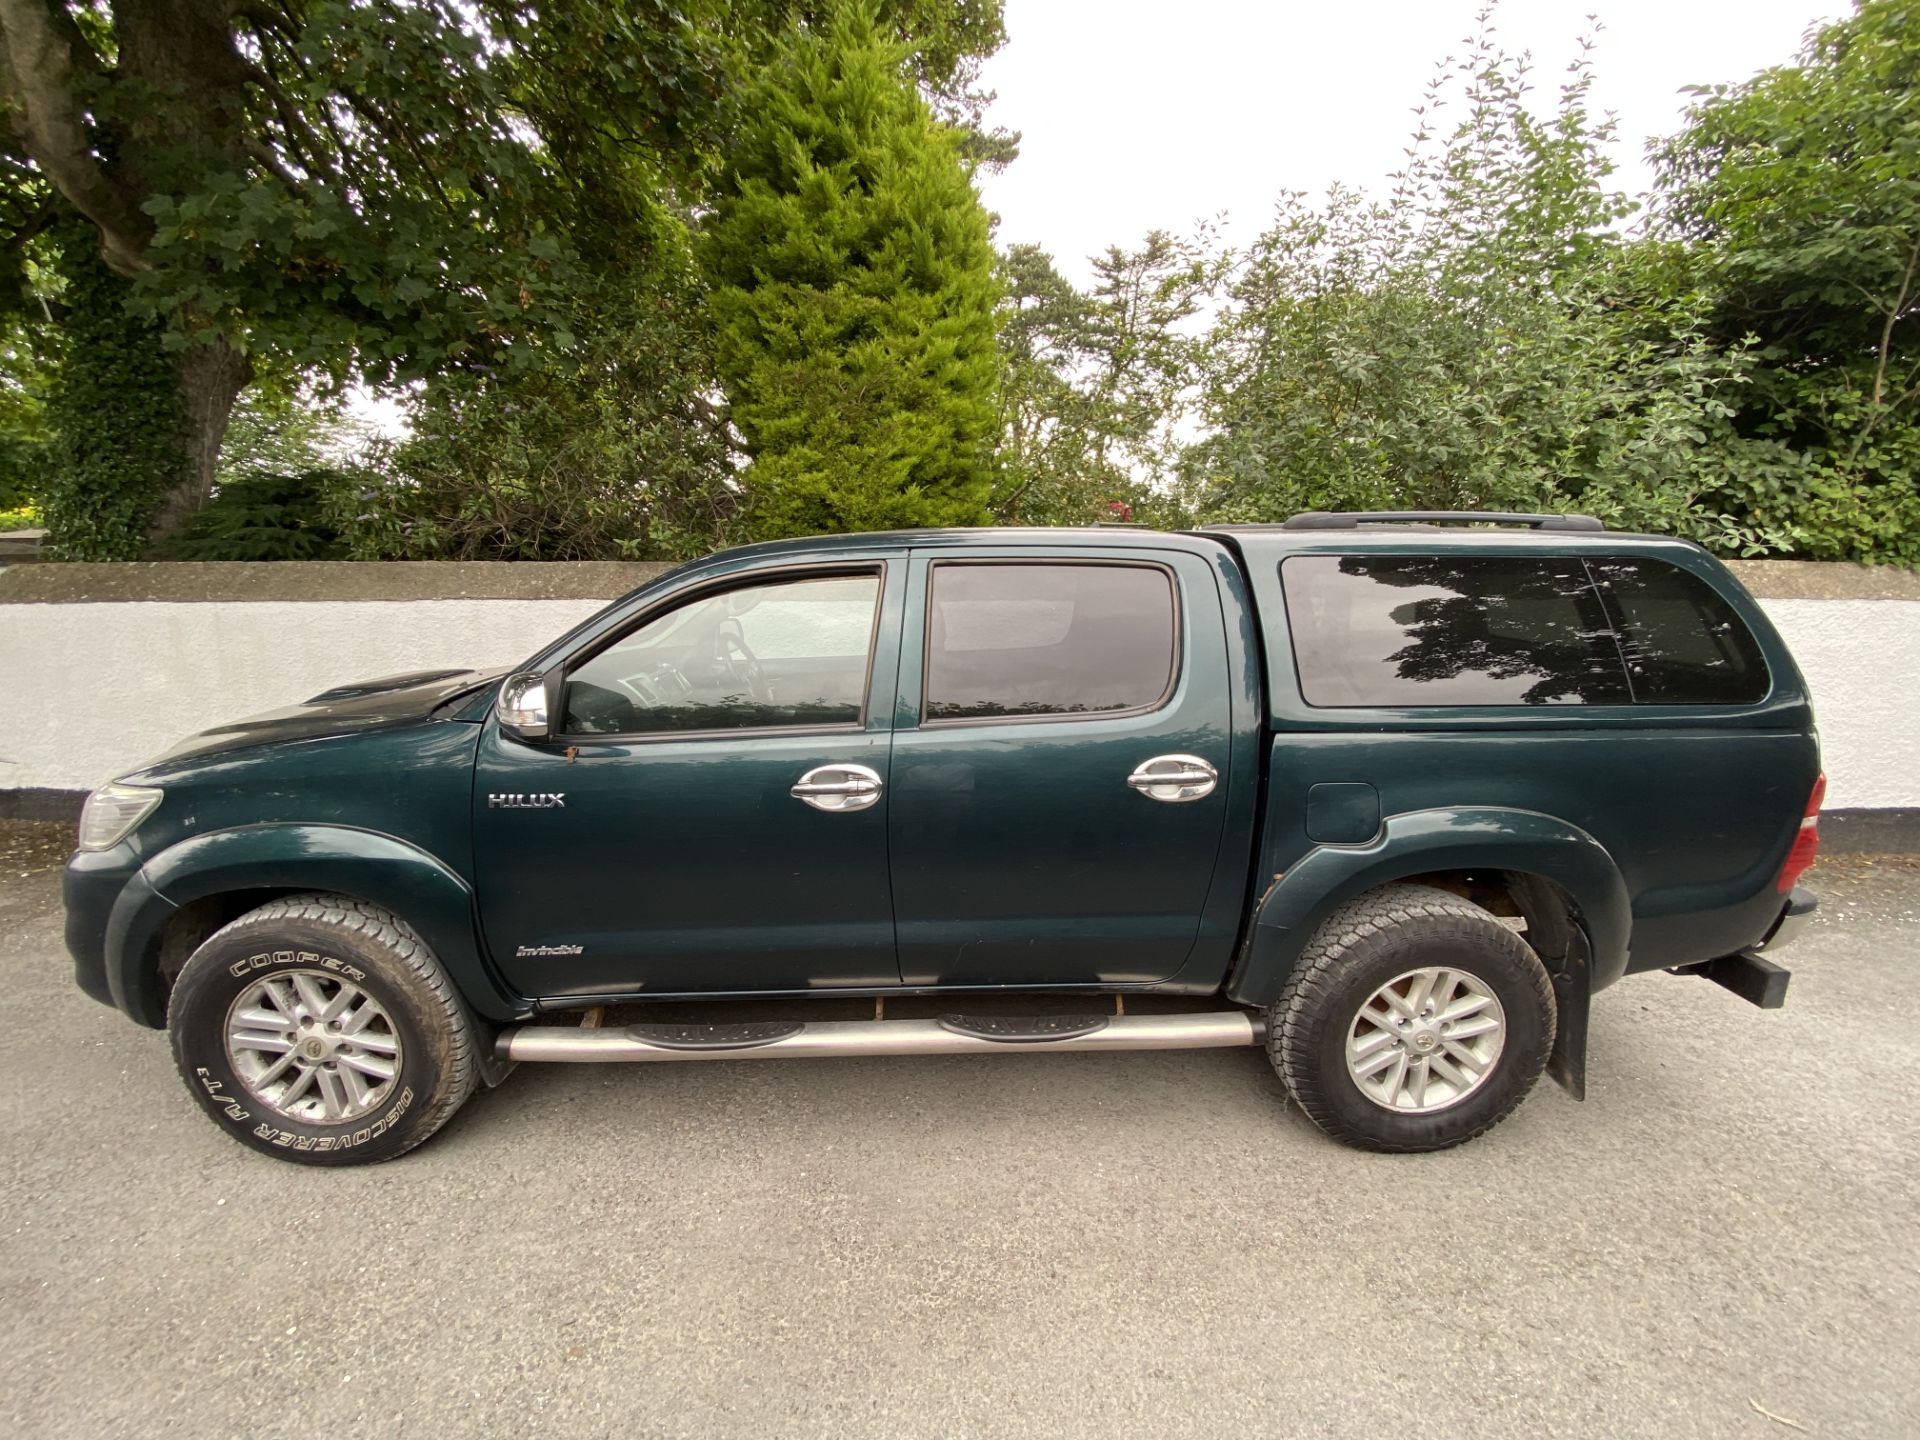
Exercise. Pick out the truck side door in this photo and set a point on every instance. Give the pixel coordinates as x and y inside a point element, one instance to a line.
<point>720,763</point>
<point>1040,692</point>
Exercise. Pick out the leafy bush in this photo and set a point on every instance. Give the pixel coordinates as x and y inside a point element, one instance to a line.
<point>1484,340</point>
<point>264,516</point>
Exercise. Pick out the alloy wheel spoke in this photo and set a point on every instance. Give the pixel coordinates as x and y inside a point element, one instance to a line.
<point>298,1087</point>
<point>1376,1062</point>
<point>1397,1078</point>
<point>280,994</point>
<point>1467,1029</point>
<point>343,997</point>
<point>1465,1005</point>
<point>279,1067</point>
<point>1448,1071</point>
<point>312,998</point>
<point>353,1084</point>
<point>1425,989</point>
<point>273,1040</point>
<point>1380,1014</point>
<point>333,1094</point>
<point>373,1065</point>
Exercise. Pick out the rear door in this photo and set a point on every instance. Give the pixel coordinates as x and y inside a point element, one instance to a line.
<point>1040,696</point>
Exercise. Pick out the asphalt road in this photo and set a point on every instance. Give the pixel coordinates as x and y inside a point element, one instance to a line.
<point>1105,1245</point>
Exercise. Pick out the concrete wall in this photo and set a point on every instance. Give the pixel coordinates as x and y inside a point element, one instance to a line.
<point>106,665</point>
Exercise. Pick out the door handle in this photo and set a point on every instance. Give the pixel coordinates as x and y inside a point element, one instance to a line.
<point>837,788</point>
<point>1174,778</point>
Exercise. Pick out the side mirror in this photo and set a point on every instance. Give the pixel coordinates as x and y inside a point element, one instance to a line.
<point>524,704</point>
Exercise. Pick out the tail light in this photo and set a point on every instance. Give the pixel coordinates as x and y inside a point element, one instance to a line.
<point>1806,843</point>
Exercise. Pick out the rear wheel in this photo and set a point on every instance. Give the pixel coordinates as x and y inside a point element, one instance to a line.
<point>322,1030</point>
<point>1413,1020</point>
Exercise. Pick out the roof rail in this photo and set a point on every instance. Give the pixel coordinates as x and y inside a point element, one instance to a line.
<point>1353,519</point>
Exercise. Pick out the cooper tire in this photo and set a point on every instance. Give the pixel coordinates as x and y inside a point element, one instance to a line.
<point>1371,946</point>
<point>331,949</point>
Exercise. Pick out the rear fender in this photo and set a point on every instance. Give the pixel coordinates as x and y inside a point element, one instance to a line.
<point>1538,848</point>
<point>391,873</point>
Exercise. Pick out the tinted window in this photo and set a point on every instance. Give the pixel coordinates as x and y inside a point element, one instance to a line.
<point>1047,639</point>
<point>1682,643</point>
<point>1450,630</point>
<point>788,653</point>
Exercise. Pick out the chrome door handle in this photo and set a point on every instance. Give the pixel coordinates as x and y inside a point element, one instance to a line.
<point>836,788</point>
<point>1174,778</point>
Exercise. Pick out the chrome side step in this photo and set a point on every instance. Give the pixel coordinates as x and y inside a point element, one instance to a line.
<point>949,1035</point>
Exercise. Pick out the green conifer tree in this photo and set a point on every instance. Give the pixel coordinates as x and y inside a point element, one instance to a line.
<point>853,294</point>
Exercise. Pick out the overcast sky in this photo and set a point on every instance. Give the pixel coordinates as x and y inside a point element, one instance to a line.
<point>1144,114</point>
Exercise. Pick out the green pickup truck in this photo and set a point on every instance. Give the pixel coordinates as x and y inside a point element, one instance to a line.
<point>1390,795</point>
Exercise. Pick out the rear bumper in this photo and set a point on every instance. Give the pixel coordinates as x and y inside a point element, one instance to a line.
<point>1754,977</point>
<point>1793,919</point>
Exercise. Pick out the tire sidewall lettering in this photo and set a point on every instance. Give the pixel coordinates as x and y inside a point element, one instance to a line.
<point>271,1134</point>
<point>310,959</point>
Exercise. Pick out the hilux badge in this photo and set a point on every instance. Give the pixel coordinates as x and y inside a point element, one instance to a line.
<point>527,802</point>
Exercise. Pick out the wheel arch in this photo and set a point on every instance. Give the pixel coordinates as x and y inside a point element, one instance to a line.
<point>1558,876</point>
<point>188,891</point>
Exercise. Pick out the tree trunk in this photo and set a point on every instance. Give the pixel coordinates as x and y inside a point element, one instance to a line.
<point>212,375</point>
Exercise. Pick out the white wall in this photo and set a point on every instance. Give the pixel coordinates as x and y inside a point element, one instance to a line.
<point>1862,662</point>
<point>97,688</point>
<point>94,689</point>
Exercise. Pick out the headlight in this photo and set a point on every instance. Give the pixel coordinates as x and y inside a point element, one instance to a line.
<point>112,811</point>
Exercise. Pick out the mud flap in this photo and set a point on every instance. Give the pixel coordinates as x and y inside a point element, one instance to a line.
<point>1573,998</point>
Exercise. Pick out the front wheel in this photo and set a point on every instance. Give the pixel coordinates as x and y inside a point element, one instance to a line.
<point>1414,1020</point>
<point>322,1030</point>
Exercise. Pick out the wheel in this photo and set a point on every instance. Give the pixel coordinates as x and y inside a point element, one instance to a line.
<point>322,1030</point>
<point>1413,1020</point>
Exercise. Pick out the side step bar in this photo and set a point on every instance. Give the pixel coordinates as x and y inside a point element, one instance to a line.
<point>949,1035</point>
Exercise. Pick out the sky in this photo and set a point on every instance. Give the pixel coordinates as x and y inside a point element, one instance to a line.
<point>1145,114</point>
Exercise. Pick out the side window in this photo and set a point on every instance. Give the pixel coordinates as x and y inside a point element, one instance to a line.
<point>1009,640</point>
<point>1682,643</point>
<point>1396,630</point>
<point>788,652</point>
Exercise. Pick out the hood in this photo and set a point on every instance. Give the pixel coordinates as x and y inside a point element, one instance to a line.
<point>344,710</point>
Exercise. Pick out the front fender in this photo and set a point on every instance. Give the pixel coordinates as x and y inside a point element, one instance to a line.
<point>413,884</point>
<point>1416,843</point>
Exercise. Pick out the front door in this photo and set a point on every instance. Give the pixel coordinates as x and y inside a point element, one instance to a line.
<point>1059,781</point>
<point>711,814</point>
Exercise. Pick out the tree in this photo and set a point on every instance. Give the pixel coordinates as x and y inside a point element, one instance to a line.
<point>340,185</point>
<point>853,294</point>
<point>1094,387</point>
<point>1796,197</point>
<point>1482,339</point>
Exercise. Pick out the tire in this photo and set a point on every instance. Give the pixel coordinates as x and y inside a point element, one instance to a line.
<point>1364,949</point>
<point>384,1076</point>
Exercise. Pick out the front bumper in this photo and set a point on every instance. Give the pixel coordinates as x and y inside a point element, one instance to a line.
<point>93,881</point>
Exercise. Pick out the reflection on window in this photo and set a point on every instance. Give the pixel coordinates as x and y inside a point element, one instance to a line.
<point>788,653</point>
<point>1450,630</point>
<point>1047,639</point>
<point>1682,643</point>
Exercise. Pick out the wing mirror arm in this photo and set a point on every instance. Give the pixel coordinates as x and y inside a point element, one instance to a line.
<point>529,704</point>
